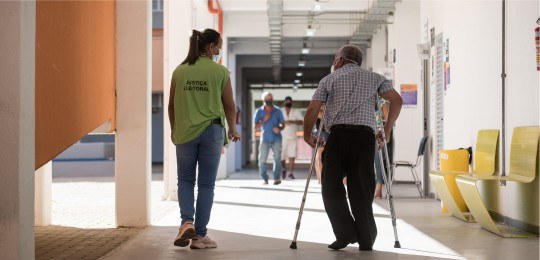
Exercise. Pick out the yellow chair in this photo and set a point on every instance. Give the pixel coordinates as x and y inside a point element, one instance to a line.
<point>523,169</point>
<point>485,163</point>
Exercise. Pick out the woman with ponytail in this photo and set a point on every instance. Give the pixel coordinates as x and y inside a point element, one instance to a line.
<point>201,107</point>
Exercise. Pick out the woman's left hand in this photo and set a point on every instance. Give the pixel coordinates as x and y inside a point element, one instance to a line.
<point>234,136</point>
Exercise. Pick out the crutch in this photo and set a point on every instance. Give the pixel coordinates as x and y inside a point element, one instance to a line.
<point>380,125</point>
<point>301,211</point>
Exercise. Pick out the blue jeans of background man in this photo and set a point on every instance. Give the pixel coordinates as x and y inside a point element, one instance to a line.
<point>264,148</point>
<point>206,151</point>
<point>378,172</point>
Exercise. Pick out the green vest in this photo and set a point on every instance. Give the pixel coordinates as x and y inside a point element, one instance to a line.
<point>197,98</point>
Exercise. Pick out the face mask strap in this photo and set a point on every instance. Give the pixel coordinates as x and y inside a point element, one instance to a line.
<point>351,61</point>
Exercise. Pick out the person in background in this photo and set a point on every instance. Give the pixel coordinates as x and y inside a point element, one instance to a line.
<point>293,119</point>
<point>349,93</point>
<point>270,120</point>
<point>201,99</point>
<point>390,145</point>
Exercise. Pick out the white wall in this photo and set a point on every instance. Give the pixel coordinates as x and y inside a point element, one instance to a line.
<point>202,18</point>
<point>403,35</point>
<point>522,95</point>
<point>474,100</point>
<point>43,196</point>
<point>17,120</point>
<point>177,26</point>
<point>182,16</point>
<point>133,117</point>
<point>377,51</point>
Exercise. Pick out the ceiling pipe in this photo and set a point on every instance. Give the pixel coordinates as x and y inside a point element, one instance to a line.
<point>503,83</point>
<point>275,23</point>
<point>218,11</point>
<point>376,15</point>
<point>292,14</point>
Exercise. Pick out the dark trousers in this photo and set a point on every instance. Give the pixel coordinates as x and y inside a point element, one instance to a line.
<point>350,152</point>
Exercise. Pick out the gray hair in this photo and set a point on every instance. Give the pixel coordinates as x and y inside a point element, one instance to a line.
<point>264,94</point>
<point>352,52</point>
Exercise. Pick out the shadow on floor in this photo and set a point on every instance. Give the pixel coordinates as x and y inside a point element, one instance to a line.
<point>157,243</point>
<point>57,242</point>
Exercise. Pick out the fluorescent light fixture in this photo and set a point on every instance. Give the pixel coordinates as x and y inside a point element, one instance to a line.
<point>305,50</point>
<point>296,81</point>
<point>310,32</point>
<point>299,74</point>
<point>301,63</point>
<point>317,7</point>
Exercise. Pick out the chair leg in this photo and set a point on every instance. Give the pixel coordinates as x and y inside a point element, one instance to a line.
<point>417,182</point>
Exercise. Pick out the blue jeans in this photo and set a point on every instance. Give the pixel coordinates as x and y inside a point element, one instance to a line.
<point>206,151</point>
<point>264,148</point>
<point>378,172</point>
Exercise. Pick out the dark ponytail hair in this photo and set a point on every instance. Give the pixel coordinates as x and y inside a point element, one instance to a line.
<point>198,43</point>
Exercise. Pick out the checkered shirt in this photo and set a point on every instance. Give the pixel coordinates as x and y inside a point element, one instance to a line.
<point>349,94</point>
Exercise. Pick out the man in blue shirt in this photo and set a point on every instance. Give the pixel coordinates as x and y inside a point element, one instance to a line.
<point>270,120</point>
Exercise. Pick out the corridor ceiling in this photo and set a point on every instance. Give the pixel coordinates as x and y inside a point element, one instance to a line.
<point>303,27</point>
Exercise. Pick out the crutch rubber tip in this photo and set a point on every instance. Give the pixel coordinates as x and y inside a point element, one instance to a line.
<point>293,245</point>
<point>397,245</point>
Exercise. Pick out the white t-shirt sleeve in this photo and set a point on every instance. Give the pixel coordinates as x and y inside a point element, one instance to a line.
<point>284,112</point>
<point>297,115</point>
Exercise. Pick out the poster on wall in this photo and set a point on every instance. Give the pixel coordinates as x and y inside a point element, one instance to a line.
<point>537,40</point>
<point>446,65</point>
<point>409,94</point>
<point>388,73</point>
<point>423,51</point>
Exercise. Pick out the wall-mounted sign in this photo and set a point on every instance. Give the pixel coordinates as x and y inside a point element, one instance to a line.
<point>537,38</point>
<point>388,73</point>
<point>423,51</point>
<point>446,64</point>
<point>432,36</point>
<point>409,94</point>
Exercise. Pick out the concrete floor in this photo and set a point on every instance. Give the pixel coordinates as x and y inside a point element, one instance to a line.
<point>253,221</point>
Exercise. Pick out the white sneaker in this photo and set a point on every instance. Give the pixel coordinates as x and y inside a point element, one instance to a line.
<point>202,243</point>
<point>185,232</point>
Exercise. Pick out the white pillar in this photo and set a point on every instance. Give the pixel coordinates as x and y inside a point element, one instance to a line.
<point>17,128</point>
<point>229,61</point>
<point>43,195</point>
<point>177,26</point>
<point>133,118</point>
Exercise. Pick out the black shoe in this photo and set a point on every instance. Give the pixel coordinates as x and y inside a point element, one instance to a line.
<point>366,248</point>
<point>340,244</point>
<point>277,182</point>
<point>265,182</point>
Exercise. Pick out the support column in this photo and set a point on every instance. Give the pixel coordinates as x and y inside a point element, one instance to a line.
<point>177,26</point>
<point>229,158</point>
<point>133,115</point>
<point>17,117</point>
<point>43,198</point>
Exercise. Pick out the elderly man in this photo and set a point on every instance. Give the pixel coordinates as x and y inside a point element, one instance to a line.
<point>271,122</point>
<point>350,93</point>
